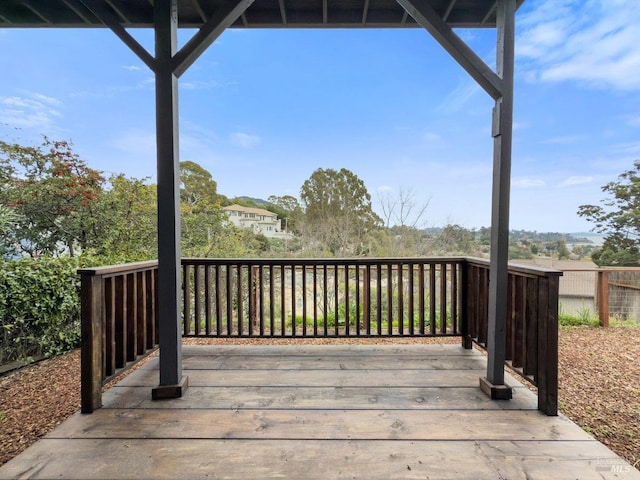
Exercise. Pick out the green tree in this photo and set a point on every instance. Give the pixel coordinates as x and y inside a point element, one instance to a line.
<point>618,218</point>
<point>129,220</point>
<point>53,194</point>
<point>205,230</point>
<point>288,210</point>
<point>338,212</point>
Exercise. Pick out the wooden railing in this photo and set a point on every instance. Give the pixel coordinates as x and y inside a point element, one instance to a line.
<point>302,298</point>
<point>119,323</point>
<point>321,297</point>
<point>532,324</point>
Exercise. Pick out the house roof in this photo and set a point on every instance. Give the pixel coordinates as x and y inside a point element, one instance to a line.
<point>261,14</point>
<point>257,211</point>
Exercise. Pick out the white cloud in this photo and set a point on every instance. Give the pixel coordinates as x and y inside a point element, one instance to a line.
<point>244,140</point>
<point>199,85</point>
<point>576,180</point>
<point>458,98</point>
<point>527,182</point>
<point>132,68</point>
<point>564,140</point>
<point>29,111</point>
<point>594,42</point>
<point>431,136</point>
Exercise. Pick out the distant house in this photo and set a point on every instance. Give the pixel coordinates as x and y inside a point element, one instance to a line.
<point>577,289</point>
<point>259,220</point>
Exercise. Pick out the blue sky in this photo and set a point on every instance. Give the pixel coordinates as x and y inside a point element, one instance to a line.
<point>262,109</point>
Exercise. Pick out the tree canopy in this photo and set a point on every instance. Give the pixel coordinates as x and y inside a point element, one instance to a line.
<point>618,218</point>
<point>338,211</point>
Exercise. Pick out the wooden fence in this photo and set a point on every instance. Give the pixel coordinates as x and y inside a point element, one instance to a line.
<point>308,298</point>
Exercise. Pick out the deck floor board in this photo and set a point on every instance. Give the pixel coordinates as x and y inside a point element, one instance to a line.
<point>319,412</point>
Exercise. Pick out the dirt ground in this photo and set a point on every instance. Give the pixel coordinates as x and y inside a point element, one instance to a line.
<point>599,376</point>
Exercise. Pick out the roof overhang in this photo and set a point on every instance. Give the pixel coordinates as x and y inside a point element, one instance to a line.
<point>261,14</point>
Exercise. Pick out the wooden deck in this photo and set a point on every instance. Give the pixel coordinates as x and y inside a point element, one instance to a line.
<point>319,412</point>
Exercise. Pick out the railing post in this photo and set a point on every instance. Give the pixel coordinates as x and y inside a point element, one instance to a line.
<point>547,376</point>
<point>603,297</point>
<point>465,305</point>
<point>91,302</point>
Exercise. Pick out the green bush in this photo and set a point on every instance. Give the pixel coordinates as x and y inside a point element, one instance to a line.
<point>39,307</point>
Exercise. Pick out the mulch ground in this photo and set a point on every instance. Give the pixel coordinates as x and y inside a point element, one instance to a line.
<point>599,376</point>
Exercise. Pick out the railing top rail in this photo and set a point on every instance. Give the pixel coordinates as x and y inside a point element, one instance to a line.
<point>321,261</point>
<point>121,268</point>
<point>515,268</point>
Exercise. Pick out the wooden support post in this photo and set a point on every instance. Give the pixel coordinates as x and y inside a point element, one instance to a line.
<point>91,374</point>
<point>172,383</point>
<point>494,384</point>
<point>603,297</point>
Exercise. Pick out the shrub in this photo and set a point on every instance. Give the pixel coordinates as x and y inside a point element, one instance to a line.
<point>40,307</point>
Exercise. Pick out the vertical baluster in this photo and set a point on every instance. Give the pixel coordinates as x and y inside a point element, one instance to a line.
<point>239,299</point>
<point>432,299</point>
<point>197,299</point>
<point>283,313</point>
<point>218,287</point>
<point>186,299</point>
<point>531,331</point>
<point>315,300</point>
<point>421,311</point>
<point>357,280</point>
<point>454,299</point>
<point>367,298</point>
<point>304,300</point>
<point>251,292</point>
<point>229,300</point>
<point>379,297</point>
<point>110,326</point>
<point>208,300</point>
<point>131,318</point>
<point>293,300</point>
<point>272,300</point>
<point>411,298</point>
<point>141,313</point>
<point>326,300</point>
<point>510,314</point>
<point>120,335</point>
<point>390,299</point>
<point>336,294</point>
<point>261,298</point>
<point>400,298</point>
<point>347,318</point>
<point>443,298</point>
<point>518,330</point>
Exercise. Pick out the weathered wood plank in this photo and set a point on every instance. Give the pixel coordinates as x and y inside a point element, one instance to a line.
<point>317,378</point>
<point>359,351</point>
<point>196,459</point>
<point>321,398</point>
<point>319,425</point>
<point>333,363</point>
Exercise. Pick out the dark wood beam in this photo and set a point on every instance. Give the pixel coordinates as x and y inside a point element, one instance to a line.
<point>365,12</point>
<point>502,130</point>
<point>490,12</point>
<point>77,11</point>
<point>212,29</point>
<point>198,7</point>
<point>37,13</point>
<point>447,11</point>
<point>283,12</point>
<point>172,383</point>
<point>110,19</point>
<point>423,13</point>
<point>119,11</point>
<point>325,12</point>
